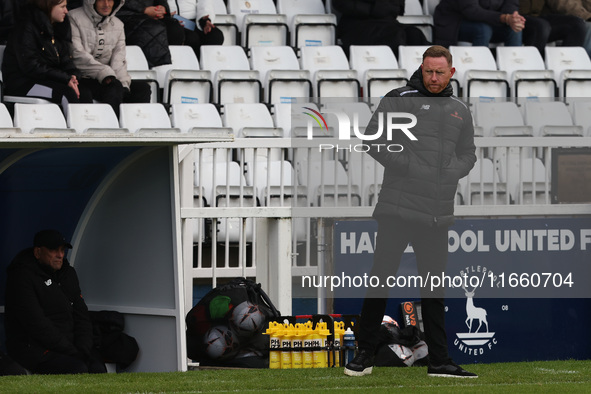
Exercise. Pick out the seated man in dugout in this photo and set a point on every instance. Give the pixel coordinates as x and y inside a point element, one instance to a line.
<point>48,328</point>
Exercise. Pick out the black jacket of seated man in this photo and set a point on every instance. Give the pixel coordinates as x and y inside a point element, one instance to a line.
<point>48,328</point>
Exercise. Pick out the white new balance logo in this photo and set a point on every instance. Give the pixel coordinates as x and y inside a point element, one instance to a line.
<point>48,282</point>
<point>425,106</point>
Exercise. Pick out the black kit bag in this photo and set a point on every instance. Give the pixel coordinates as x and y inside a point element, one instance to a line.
<point>113,344</point>
<point>226,327</point>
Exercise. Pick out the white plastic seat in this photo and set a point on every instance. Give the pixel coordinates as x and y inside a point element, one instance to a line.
<point>223,185</point>
<point>309,22</point>
<point>482,186</point>
<point>377,69</point>
<point>234,81</point>
<point>500,119</point>
<point>358,112</point>
<point>225,22</point>
<point>330,71</point>
<point>5,118</point>
<point>523,174</point>
<point>415,15</point>
<point>265,30</point>
<point>184,70</point>
<point>40,118</point>
<point>202,119</point>
<point>138,69</point>
<point>476,70</point>
<point>550,118</point>
<point>526,71</point>
<point>141,118</point>
<point>367,174</point>
<point>292,119</point>
<point>279,70</point>
<point>572,70</point>
<point>255,20</point>
<point>582,115</point>
<point>252,121</point>
<point>328,183</point>
<point>93,118</point>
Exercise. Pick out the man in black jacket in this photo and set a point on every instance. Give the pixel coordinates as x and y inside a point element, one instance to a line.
<point>48,329</point>
<point>416,202</point>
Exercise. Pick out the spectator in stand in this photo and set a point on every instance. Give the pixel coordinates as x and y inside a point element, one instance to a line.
<point>98,41</point>
<point>195,17</point>
<point>373,22</point>
<point>148,24</point>
<point>543,26</point>
<point>580,8</point>
<point>37,59</point>
<point>478,22</point>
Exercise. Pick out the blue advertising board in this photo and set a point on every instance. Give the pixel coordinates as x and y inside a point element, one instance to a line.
<point>516,289</point>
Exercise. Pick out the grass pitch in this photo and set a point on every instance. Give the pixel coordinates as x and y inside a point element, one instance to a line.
<point>525,377</point>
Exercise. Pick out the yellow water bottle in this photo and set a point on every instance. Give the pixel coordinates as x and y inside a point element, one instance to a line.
<point>321,345</point>
<point>274,345</point>
<point>335,354</point>
<point>286,347</point>
<point>297,344</point>
<point>308,343</point>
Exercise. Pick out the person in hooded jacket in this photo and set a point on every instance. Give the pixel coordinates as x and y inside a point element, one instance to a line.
<point>416,201</point>
<point>98,41</point>
<point>38,61</point>
<point>48,328</point>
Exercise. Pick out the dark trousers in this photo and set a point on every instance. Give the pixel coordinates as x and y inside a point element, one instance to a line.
<point>114,93</point>
<point>54,363</point>
<point>178,35</point>
<point>430,247</point>
<point>53,91</point>
<point>548,28</point>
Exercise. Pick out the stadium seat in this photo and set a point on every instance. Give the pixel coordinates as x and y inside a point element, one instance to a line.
<point>259,22</point>
<point>476,70</point>
<point>223,185</point>
<point>328,183</point>
<point>93,118</point>
<point>526,71</point>
<point>367,174</point>
<point>265,30</point>
<point>253,121</point>
<point>234,81</point>
<point>182,81</point>
<point>292,118</point>
<point>482,185</point>
<point>40,118</point>
<point>141,118</point>
<point>429,6</point>
<point>225,22</point>
<point>330,71</point>
<point>550,118</point>
<point>279,70</point>
<point>358,113</point>
<point>138,69</point>
<point>572,70</point>
<point>500,119</point>
<point>310,24</point>
<point>6,123</point>
<point>582,115</point>
<point>202,119</point>
<point>414,15</point>
<point>523,175</point>
<point>377,69</point>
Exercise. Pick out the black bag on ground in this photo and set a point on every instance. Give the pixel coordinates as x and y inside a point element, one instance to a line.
<point>113,344</point>
<point>226,326</point>
<point>400,347</point>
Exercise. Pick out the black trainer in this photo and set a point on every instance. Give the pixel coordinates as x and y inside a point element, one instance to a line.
<point>449,370</point>
<point>361,365</point>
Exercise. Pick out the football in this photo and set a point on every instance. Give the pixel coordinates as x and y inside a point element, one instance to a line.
<point>247,319</point>
<point>221,343</point>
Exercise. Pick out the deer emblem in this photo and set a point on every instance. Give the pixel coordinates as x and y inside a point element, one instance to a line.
<point>474,312</point>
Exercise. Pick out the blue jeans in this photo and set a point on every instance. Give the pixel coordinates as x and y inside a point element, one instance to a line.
<point>482,34</point>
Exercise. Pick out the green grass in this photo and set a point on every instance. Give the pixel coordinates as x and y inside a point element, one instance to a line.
<point>526,377</point>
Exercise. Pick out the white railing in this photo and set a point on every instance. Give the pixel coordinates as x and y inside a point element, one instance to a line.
<point>233,226</point>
